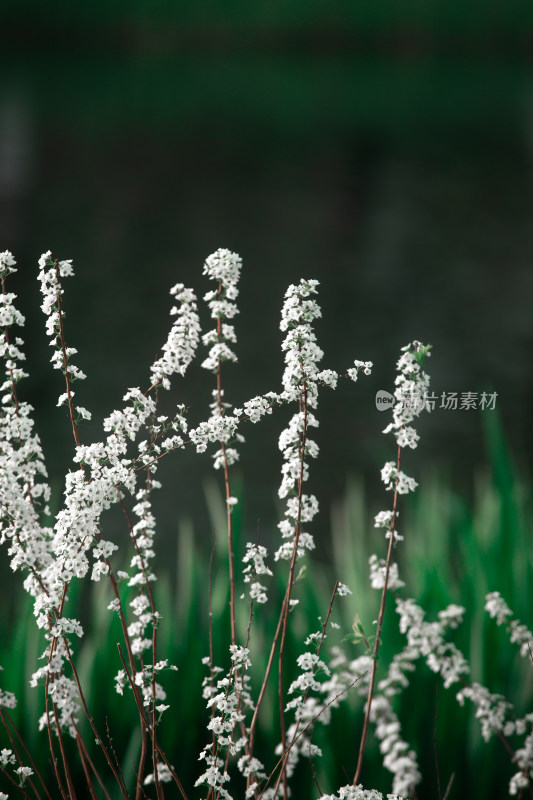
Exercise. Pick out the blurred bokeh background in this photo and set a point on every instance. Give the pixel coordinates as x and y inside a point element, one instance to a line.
<point>384,148</point>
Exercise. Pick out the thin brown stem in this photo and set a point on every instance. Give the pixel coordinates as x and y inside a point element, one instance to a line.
<point>378,630</point>
<point>66,766</point>
<point>154,641</point>
<point>84,754</point>
<point>6,774</point>
<point>304,729</point>
<point>85,765</point>
<point>6,336</point>
<point>449,787</point>
<point>297,530</point>
<point>65,360</point>
<point>144,721</point>
<point>262,691</point>
<point>435,741</point>
<point>211,654</point>
<point>94,729</point>
<point>306,693</point>
<point>49,725</point>
<point>229,519</point>
<point>17,753</point>
<point>285,608</point>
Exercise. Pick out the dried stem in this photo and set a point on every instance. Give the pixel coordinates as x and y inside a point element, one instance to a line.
<point>286,751</point>
<point>378,629</point>
<point>17,753</point>
<point>435,741</point>
<point>227,488</point>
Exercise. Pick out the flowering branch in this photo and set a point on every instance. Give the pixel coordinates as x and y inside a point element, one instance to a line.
<point>411,387</point>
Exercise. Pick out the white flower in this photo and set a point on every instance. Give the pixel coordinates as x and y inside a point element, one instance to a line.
<point>163,773</point>
<point>343,590</point>
<point>181,345</point>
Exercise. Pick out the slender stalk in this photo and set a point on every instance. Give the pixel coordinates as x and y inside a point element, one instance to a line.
<point>17,753</point>
<point>105,751</point>
<point>84,755</point>
<point>435,742</point>
<point>211,655</point>
<point>15,784</point>
<point>144,721</point>
<point>65,361</point>
<point>49,723</point>
<point>227,489</point>
<point>304,729</point>
<point>375,651</point>
<point>154,645</point>
<point>85,766</point>
<point>66,766</point>
<point>6,336</point>
<point>285,608</point>
<point>286,751</point>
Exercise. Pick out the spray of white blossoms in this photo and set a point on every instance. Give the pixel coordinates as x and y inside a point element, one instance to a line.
<point>55,556</point>
<point>301,380</point>
<point>300,383</point>
<point>412,384</point>
<point>24,489</point>
<point>54,550</point>
<point>426,640</point>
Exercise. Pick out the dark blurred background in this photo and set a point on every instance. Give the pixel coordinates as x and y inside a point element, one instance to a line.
<point>385,149</point>
<point>382,148</point>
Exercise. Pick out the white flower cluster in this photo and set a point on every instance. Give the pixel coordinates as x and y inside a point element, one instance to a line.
<point>427,638</point>
<point>397,757</point>
<point>50,273</point>
<point>164,434</point>
<point>396,480</point>
<point>163,775</point>
<point>385,519</point>
<point>88,492</point>
<point>358,793</point>
<point>378,568</point>
<point>180,347</point>
<point>523,757</point>
<point>8,758</point>
<point>411,388</point>
<point>24,490</point>
<point>254,558</point>
<point>218,428</point>
<point>257,407</point>
<point>491,709</point>
<point>300,382</point>
<point>315,699</point>
<point>227,700</point>
<point>7,699</point>
<point>307,709</point>
<point>105,473</point>
<point>412,385</point>
<point>365,366</point>
<point>302,354</point>
<point>519,634</point>
<point>225,267</point>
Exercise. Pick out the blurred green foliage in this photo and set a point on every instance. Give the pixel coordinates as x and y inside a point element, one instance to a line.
<point>454,552</point>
